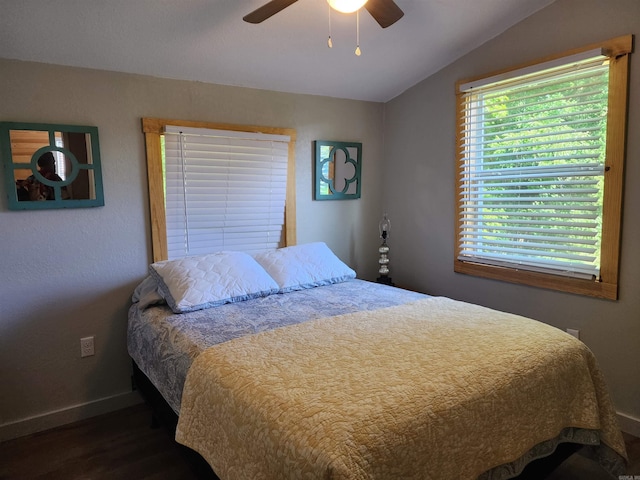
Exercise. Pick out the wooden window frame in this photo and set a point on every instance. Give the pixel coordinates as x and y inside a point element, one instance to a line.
<point>618,51</point>
<point>153,129</point>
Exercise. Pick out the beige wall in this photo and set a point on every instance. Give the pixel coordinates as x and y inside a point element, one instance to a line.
<point>66,274</point>
<point>419,129</point>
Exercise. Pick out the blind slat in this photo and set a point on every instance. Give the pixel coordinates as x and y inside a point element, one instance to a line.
<point>224,190</point>
<point>532,169</point>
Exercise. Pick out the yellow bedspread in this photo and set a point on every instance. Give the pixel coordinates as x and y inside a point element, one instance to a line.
<point>435,389</point>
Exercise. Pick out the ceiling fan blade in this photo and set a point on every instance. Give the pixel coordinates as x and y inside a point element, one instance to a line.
<point>267,10</point>
<point>385,12</point>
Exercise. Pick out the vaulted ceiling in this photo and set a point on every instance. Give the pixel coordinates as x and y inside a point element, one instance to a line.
<point>207,41</point>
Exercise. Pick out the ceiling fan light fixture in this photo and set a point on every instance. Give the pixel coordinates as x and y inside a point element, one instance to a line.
<point>346,6</point>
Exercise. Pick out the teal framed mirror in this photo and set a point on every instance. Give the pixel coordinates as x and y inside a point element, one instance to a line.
<point>51,166</point>
<point>338,168</point>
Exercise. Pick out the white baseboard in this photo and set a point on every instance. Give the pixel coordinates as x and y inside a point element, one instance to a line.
<point>629,424</point>
<point>67,415</point>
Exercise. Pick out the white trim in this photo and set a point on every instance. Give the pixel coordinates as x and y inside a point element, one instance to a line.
<point>629,424</point>
<point>57,418</point>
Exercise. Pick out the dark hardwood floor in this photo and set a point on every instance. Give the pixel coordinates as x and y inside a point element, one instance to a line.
<point>122,445</point>
<point>118,445</point>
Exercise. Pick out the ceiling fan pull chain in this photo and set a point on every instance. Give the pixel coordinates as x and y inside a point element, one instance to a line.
<point>330,42</point>
<point>358,52</point>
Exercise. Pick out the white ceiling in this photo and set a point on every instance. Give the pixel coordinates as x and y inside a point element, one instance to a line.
<point>207,41</point>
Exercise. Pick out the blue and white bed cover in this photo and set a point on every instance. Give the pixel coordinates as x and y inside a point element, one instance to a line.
<point>164,344</point>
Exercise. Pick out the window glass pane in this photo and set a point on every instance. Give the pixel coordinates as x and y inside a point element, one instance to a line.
<point>541,151</point>
<point>533,171</point>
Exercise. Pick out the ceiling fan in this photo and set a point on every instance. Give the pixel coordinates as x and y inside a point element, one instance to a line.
<point>385,12</point>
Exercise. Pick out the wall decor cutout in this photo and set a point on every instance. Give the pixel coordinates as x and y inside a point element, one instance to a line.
<point>51,166</point>
<point>337,170</point>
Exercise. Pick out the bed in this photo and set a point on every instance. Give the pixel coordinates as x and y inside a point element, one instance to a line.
<point>283,365</point>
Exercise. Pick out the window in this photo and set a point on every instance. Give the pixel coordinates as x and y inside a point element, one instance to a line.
<point>219,187</point>
<point>540,165</point>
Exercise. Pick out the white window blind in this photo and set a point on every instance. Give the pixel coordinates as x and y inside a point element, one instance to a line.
<point>532,169</point>
<point>225,190</point>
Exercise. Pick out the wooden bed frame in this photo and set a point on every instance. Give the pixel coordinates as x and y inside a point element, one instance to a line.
<point>164,416</point>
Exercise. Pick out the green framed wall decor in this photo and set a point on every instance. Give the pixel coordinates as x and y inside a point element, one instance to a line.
<point>50,166</point>
<point>338,168</point>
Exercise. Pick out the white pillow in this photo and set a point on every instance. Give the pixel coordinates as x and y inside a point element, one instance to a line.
<point>304,266</point>
<point>203,281</point>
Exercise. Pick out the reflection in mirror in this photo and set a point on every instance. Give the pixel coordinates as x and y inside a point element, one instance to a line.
<point>337,170</point>
<point>41,185</point>
<point>51,166</point>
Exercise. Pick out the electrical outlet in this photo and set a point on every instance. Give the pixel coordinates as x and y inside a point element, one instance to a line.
<point>86,347</point>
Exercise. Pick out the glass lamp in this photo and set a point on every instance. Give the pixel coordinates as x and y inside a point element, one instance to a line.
<point>346,6</point>
<point>384,228</point>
